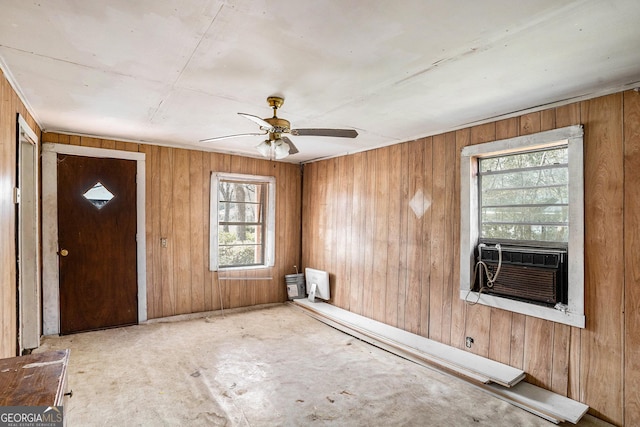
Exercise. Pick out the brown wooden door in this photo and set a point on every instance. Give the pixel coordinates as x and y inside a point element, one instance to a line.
<point>97,243</point>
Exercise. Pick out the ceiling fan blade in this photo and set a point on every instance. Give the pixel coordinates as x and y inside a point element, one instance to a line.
<point>262,123</point>
<point>292,148</point>
<point>340,133</point>
<point>217,138</point>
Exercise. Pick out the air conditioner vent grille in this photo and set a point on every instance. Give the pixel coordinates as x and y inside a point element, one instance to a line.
<point>531,283</point>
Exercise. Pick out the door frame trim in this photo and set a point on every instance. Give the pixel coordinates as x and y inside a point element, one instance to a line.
<point>50,267</point>
<point>27,233</point>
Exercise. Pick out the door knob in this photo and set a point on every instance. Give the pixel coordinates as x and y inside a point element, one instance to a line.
<point>64,252</point>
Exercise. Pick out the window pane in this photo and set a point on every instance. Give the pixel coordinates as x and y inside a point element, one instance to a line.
<point>552,195</point>
<point>526,160</point>
<point>526,214</point>
<point>525,196</point>
<point>240,255</point>
<point>98,195</point>
<point>240,245</point>
<point>239,212</point>
<point>539,233</point>
<point>529,178</point>
<point>239,192</point>
<point>239,234</point>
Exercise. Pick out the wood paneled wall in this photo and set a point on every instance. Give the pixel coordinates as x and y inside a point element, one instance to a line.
<point>10,106</point>
<point>386,225</point>
<point>177,208</point>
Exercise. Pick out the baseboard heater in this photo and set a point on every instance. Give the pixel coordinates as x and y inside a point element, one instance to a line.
<point>497,379</point>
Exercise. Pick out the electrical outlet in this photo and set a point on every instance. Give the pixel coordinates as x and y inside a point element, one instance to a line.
<point>468,342</point>
<point>163,242</point>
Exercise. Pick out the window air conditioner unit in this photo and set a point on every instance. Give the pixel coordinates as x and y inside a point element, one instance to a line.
<point>528,274</point>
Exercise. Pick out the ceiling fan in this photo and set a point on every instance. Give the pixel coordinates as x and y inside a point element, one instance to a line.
<point>278,146</point>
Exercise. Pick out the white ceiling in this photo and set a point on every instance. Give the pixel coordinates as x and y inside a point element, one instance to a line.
<point>175,72</point>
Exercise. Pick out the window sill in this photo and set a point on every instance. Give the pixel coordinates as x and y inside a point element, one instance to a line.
<point>568,317</point>
<point>244,268</point>
<point>245,273</point>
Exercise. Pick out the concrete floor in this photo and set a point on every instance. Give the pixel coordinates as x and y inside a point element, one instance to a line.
<point>266,367</point>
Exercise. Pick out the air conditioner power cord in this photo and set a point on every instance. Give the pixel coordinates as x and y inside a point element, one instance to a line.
<point>481,266</point>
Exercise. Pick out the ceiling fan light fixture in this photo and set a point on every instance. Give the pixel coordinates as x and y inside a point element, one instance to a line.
<point>277,149</point>
<point>281,150</point>
<point>264,148</point>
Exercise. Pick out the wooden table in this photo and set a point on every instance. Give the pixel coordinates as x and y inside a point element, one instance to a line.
<point>34,380</point>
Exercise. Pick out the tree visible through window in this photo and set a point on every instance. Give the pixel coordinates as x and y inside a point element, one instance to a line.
<point>242,220</point>
<point>241,223</point>
<point>525,196</point>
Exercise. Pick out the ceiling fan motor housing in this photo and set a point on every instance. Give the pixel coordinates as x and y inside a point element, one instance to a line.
<point>279,126</point>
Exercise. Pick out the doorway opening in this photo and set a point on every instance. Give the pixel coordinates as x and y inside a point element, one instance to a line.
<point>51,295</point>
<point>28,242</point>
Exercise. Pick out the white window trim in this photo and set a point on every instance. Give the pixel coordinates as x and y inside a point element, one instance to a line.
<point>269,253</point>
<point>469,233</point>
